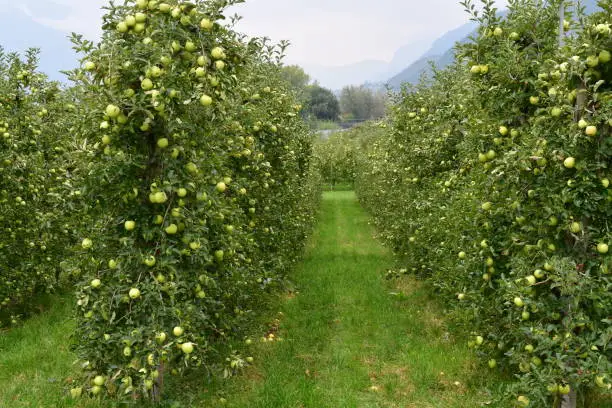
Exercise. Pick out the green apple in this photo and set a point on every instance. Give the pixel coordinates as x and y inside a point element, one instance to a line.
<point>76,392</point>
<point>600,381</point>
<point>592,61</point>
<point>95,283</point>
<point>221,187</point>
<point>87,243</point>
<point>129,225</point>
<point>112,111</point>
<point>190,46</point>
<point>171,229</point>
<point>518,302</point>
<point>99,380</point>
<point>187,347</point>
<point>217,53</point>
<point>602,248</point>
<point>575,227</point>
<point>206,100</point>
<point>178,331</point>
<point>146,84</point>
<point>590,130</point>
<point>149,261</point>
<point>160,337</point>
<point>569,162</point>
<point>122,27</point>
<point>206,24</point>
<point>134,293</point>
<point>191,167</point>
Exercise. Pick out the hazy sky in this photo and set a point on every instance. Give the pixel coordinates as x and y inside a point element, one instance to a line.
<point>326,32</point>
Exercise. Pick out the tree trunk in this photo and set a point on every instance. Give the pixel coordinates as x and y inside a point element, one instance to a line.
<point>569,400</point>
<point>158,385</point>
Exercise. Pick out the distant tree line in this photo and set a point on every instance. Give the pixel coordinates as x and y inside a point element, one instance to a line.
<point>353,102</point>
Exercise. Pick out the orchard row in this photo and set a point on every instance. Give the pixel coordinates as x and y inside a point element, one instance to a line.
<point>492,180</point>
<point>171,184</point>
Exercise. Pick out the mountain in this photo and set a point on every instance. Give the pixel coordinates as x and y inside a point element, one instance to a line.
<point>441,53</point>
<point>19,32</point>
<point>371,71</point>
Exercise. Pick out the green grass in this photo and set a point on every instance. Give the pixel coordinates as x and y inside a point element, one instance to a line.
<point>346,340</point>
<point>35,360</point>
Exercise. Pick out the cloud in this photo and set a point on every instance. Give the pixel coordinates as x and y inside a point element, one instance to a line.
<point>81,16</point>
<point>344,31</point>
<point>330,32</point>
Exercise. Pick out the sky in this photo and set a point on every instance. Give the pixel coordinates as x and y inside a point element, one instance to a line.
<point>325,32</point>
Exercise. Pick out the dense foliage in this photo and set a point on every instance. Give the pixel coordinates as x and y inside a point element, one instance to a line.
<point>493,182</point>
<point>335,158</point>
<point>172,181</point>
<point>36,200</point>
<point>201,187</point>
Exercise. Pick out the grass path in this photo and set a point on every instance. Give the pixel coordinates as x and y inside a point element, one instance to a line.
<point>346,342</point>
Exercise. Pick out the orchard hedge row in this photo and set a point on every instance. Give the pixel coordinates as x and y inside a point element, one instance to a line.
<point>172,183</point>
<point>492,181</point>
